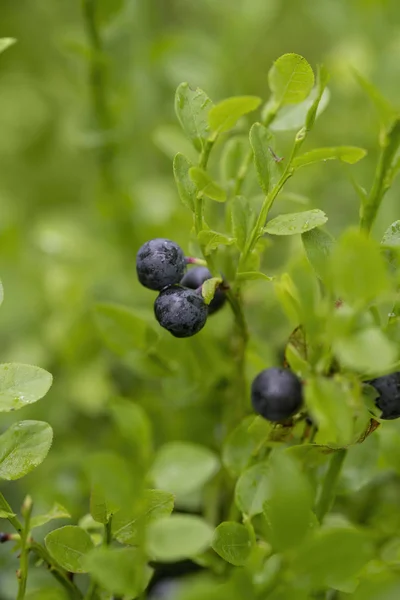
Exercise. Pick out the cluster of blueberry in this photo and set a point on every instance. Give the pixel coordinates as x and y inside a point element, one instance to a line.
<point>179,307</point>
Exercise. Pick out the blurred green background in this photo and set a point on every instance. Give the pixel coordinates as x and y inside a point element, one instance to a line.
<point>77,202</point>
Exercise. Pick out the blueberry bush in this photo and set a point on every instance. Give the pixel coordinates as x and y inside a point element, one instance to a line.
<point>219,420</point>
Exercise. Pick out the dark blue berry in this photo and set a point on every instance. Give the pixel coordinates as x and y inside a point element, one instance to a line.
<point>181,311</point>
<point>276,394</point>
<point>388,400</point>
<point>195,278</point>
<point>160,263</point>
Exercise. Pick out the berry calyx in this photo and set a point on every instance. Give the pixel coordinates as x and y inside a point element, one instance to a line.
<point>194,279</point>
<point>181,311</point>
<point>276,394</point>
<point>388,401</point>
<point>159,263</point>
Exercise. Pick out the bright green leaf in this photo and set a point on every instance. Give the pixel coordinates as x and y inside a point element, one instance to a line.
<point>243,442</point>
<point>56,512</point>
<point>293,116</point>
<point>232,542</point>
<point>366,351</point>
<point>178,537</point>
<point>347,154</point>
<point>212,239</point>
<point>129,525</point>
<point>293,223</point>
<point>118,570</point>
<point>192,108</point>
<point>182,467</point>
<point>187,189</point>
<point>224,115</point>
<point>253,276</point>
<point>68,546</point>
<point>206,186</point>
<point>291,79</point>
<point>209,288</point>
<point>21,385</point>
<point>391,237</point>
<point>252,489</point>
<point>23,447</point>
<point>6,43</point>
<point>260,139</point>
<point>318,245</point>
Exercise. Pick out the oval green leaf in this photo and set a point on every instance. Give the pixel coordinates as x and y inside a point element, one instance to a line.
<point>252,489</point>
<point>294,223</point>
<point>23,447</point>
<point>178,537</point>
<point>187,189</point>
<point>209,288</point>
<point>347,154</point>
<point>192,108</point>
<point>68,546</point>
<point>318,245</point>
<point>291,79</point>
<point>206,186</point>
<point>21,385</point>
<point>232,542</point>
<point>224,115</point>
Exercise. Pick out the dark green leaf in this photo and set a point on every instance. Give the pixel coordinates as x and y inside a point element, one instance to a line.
<point>347,154</point>
<point>68,546</point>
<point>260,139</point>
<point>232,542</point>
<point>187,189</point>
<point>178,537</point>
<point>293,223</point>
<point>23,447</point>
<point>192,108</point>
<point>21,385</point>
<point>206,186</point>
<point>291,79</point>
<point>252,489</point>
<point>318,245</point>
<point>209,288</point>
<point>118,570</point>
<point>224,115</point>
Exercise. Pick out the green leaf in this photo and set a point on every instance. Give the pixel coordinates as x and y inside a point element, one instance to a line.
<point>129,525</point>
<point>347,154</point>
<point>23,447</point>
<point>56,512</point>
<point>21,385</point>
<point>288,508</point>
<point>187,189</point>
<point>242,220</point>
<point>192,108</point>
<point>209,288</point>
<point>206,186</point>
<point>353,260</point>
<point>182,467</point>
<point>293,223</point>
<point>122,329</point>
<point>68,546</point>
<point>293,116</point>
<point>291,79</point>
<point>253,276</point>
<point>322,82</point>
<point>391,237</point>
<point>385,110</point>
<point>366,351</point>
<point>224,115</point>
<point>178,537</point>
<point>252,489</point>
<point>232,542</point>
<point>212,239</point>
<point>233,154</point>
<point>171,140</point>
<point>134,427</point>
<point>260,139</point>
<point>318,245</point>
<point>243,442</point>
<point>6,43</point>
<point>118,570</point>
<point>4,514</point>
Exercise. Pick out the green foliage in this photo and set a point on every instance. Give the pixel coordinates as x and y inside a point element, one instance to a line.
<point>177,538</point>
<point>232,542</point>
<point>117,570</point>
<point>293,223</point>
<point>23,447</point>
<point>291,79</point>
<point>21,385</point>
<point>192,108</point>
<point>224,115</point>
<point>206,186</point>
<point>68,546</point>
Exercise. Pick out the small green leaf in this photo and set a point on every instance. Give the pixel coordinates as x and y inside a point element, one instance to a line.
<point>252,489</point>
<point>291,79</point>
<point>293,223</point>
<point>182,468</point>
<point>21,385</point>
<point>232,542</point>
<point>212,239</point>
<point>122,329</point>
<point>242,220</point>
<point>209,288</point>
<point>192,108</point>
<point>293,116</point>
<point>243,442</point>
<point>347,154</point>
<point>6,43</point>
<point>318,245</point>
<point>129,525</point>
<point>68,546</point>
<point>117,570</point>
<point>23,447</point>
<point>260,139</point>
<point>56,512</point>
<point>391,237</point>
<point>178,537</point>
<point>252,276</point>
<point>4,514</point>
<point>206,186</point>
<point>233,154</point>
<point>187,189</point>
<point>224,115</point>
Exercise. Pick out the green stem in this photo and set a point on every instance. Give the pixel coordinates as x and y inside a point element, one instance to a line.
<point>24,555</point>
<point>328,490</point>
<point>56,571</point>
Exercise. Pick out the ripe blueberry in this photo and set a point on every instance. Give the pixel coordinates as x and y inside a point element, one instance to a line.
<point>195,278</point>
<point>388,401</point>
<point>276,394</point>
<point>159,263</point>
<point>181,311</point>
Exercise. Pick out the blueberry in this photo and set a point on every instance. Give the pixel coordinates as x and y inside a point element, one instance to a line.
<point>181,311</point>
<point>195,277</point>
<point>388,401</point>
<point>160,263</point>
<point>276,394</point>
